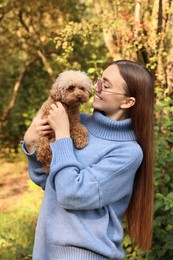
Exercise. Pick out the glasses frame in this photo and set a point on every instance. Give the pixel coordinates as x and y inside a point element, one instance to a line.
<point>100,88</point>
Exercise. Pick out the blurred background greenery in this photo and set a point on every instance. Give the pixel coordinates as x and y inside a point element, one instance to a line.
<point>39,39</point>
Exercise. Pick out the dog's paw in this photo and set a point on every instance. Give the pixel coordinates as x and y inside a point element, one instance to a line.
<point>80,137</point>
<point>44,154</point>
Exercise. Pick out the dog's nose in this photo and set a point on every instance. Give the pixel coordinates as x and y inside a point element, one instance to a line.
<point>79,98</point>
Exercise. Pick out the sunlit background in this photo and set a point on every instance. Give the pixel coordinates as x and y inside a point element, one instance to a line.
<point>39,39</point>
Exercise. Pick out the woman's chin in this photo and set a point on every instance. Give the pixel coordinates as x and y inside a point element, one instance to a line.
<point>95,105</point>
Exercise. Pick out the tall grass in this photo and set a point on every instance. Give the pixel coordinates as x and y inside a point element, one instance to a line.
<point>17,226</point>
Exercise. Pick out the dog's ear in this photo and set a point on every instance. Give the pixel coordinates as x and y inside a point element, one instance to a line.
<point>55,93</point>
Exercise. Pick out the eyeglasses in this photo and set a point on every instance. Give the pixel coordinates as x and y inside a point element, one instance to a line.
<point>100,88</point>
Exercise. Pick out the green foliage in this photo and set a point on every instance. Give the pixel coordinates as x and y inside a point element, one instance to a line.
<point>132,252</point>
<point>16,240</point>
<point>18,227</point>
<point>30,98</point>
<point>163,207</point>
<point>163,220</point>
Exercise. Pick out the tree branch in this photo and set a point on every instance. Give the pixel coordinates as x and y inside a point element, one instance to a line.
<point>107,34</point>
<point>16,90</point>
<point>46,65</point>
<point>22,21</point>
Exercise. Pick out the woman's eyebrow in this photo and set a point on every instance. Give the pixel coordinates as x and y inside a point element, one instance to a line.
<point>107,80</point>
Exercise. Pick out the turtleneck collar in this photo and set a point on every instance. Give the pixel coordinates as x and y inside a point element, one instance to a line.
<point>106,128</point>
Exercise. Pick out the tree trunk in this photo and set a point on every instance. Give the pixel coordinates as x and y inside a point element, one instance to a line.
<point>137,17</point>
<point>46,65</point>
<point>152,33</point>
<point>102,7</point>
<point>16,91</point>
<point>161,43</point>
<point>169,68</point>
<point>108,39</point>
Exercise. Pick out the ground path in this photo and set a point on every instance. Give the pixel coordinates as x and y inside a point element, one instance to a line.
<point>13,183</point>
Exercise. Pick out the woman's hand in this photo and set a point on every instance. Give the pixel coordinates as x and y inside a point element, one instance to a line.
<point>39,127</point>
<point>58,120</point>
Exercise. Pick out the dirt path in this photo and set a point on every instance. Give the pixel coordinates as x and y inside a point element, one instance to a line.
<point>13,183</point>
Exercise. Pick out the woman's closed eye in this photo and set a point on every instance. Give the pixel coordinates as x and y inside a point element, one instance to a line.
<point>105,86</point>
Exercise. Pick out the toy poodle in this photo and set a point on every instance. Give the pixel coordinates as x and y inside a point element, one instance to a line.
<point>71,88</point>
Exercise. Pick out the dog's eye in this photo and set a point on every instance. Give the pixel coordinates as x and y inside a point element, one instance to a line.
<point>71,88</point>
<point>83,89</point>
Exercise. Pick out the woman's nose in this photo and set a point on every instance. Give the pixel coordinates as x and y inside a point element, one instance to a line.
<point>98,86</point>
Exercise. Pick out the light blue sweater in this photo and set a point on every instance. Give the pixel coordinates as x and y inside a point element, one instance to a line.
<point>86,192</point>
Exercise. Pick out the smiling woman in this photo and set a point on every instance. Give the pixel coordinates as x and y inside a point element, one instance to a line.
<point>111,96</point>
<point>94,187</point>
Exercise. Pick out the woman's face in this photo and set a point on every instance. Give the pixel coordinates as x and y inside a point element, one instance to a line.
<point>111,103</point>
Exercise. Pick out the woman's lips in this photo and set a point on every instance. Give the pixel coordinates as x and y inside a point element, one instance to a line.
<point>97,97</point>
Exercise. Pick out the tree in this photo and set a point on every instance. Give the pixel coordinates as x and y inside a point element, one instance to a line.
<point>46,37</point>
<point>28,29</point>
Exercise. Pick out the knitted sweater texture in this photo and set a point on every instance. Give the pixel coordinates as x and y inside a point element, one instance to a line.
<point>86,192</point>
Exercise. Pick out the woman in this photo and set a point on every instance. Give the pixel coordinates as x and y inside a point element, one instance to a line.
<point>88,191</point>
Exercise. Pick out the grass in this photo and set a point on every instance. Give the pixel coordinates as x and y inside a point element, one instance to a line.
<point>19,212</point>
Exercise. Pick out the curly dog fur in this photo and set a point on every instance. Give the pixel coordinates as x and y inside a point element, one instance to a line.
<point>72,88</point>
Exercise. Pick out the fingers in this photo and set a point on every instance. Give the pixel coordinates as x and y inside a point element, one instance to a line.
<point>41,126</point>
<point>56,110</point>
<point>46,127</point>
<point>54,107</point>
<point>38,120</point>
<point>58,106</point>
<point>47,132</point>
<point>44,122</point>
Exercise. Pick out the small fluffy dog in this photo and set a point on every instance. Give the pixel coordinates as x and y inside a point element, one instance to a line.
<point>72,88</point>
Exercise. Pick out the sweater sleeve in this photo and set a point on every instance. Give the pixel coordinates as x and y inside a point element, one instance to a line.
<point>35,169</point>
<point>107,181</point>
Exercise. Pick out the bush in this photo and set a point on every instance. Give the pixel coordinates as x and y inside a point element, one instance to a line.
<point>163,219</point>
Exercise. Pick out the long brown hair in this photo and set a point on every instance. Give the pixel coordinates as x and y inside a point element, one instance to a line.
<point>139,214</point>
